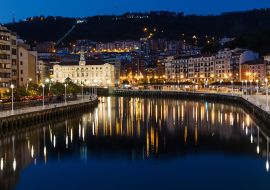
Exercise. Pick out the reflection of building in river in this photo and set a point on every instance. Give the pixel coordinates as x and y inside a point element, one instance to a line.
<point>16,153</point>
<point>138,127</point>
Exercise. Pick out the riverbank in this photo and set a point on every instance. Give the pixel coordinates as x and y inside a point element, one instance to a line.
<point>33,115</point>
<point>248,103</point>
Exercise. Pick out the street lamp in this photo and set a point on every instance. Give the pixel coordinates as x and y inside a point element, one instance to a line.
<point>257,91</point>
<point>43,96</point>
<point>220,82</point>
<point>65,93</point>
<point>49,81</point>
<point>267,100</point>
<point>27,84</point>
<point>12,97</point>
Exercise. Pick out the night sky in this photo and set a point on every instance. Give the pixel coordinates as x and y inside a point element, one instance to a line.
<point>81,8</point>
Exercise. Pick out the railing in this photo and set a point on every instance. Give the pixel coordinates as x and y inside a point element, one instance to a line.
<point>24,110</point>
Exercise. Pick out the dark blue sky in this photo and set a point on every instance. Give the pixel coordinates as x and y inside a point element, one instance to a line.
<point>80,8</point>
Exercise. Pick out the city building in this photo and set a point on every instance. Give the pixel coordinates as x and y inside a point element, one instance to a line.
<point>88,72</point>
<point>253,70</point>
<point>27,64</point>
<point>118,46</point>
<point>222,66</point>
<point>8,59</point>
<point>201,69</point>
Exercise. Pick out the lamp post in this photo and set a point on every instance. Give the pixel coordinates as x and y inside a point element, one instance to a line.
<point>267,98</point>
<point>49,81</point>
<point>12,98</point>
<point>257,91</point>
<point>43,96</point>
<point>65,93</point>
<point>220,82</point>
<point>27,84</point>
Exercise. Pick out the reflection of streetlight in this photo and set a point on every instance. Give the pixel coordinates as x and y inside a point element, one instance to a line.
<point>13,148</point>
<point>66,134</point>
<point>44,148</point>
<point>267,156</point>
<point>258,142</point>
<point>12,97</point>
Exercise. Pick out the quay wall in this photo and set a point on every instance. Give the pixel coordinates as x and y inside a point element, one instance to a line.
<point>20,121</point>
<point>261,117</point>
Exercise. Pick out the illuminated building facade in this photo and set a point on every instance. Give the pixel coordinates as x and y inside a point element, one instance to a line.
<point>8,59</point>
<point>253,70</point>
<point>90,73</point>
<point>223,66</point>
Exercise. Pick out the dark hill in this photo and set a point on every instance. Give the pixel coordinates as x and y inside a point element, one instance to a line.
<point>252,28</point>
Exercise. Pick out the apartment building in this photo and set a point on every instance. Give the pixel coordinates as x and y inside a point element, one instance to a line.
<point>8,59</point>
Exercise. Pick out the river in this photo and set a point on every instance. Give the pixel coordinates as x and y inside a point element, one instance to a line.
<point>139,143</point>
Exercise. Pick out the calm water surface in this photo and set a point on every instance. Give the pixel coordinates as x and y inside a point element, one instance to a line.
<point>133,143</point>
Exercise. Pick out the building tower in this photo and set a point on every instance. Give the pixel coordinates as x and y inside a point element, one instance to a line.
<point>82,61</point>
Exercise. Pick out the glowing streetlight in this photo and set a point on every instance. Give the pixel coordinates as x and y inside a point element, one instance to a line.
<point>12,97</point>
<point>257,91</point>
<point>27,84</point>
<point>267,98</point>
<point>43,96</point>
<point>65,93</point>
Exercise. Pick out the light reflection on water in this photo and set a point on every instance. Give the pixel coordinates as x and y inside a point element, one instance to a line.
<point>135,129</point>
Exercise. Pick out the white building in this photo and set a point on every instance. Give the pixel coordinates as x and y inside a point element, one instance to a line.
<point>90,73</point>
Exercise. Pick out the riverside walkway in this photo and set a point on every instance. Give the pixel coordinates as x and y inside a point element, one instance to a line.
<point>34,109</point>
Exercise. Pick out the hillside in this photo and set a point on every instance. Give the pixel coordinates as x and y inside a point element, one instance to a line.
<point>252,28</point>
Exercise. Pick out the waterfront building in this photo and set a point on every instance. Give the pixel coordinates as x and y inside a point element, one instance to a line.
<point>201,68</point>
<point>88,72</point>
<point>27,64</point>
<point>8,59</point>
<point>45,69</point>
<point>222,66</point>
<point>253,71</point>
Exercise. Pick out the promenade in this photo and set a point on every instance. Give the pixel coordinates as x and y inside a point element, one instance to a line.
<point>28,110</point>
